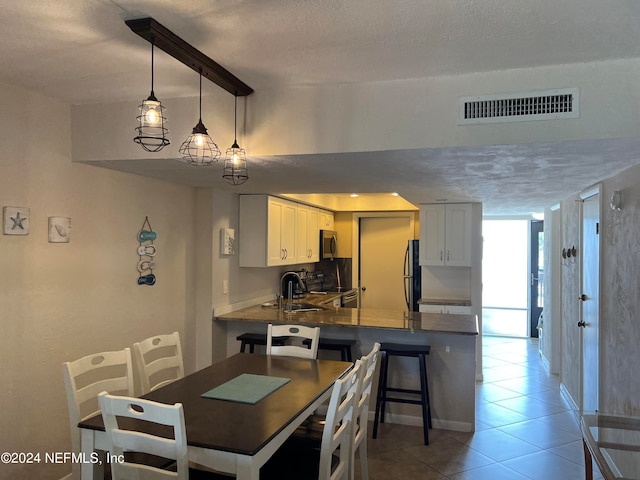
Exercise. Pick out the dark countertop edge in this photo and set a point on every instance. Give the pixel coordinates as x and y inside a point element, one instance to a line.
<point>315,319</point>
<point>441,301</point>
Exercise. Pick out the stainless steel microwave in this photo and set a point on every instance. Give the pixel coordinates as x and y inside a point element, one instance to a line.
<point>328,244</point>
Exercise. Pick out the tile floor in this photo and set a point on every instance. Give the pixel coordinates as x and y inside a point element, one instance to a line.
<point>524,429</point>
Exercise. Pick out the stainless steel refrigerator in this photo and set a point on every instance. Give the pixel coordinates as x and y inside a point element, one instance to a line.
<point>412,276</point>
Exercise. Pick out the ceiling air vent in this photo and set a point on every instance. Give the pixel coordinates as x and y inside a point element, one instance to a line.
<point>542,105</point>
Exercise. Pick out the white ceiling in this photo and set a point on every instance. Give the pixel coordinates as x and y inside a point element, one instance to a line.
<point>80,51</point>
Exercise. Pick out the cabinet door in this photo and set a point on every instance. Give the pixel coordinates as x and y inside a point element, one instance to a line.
<point>288,229</point>
<point>302,247</point>
<point>432,235</point>
<point>313,235</point>
<point>326,220</point>
<point>281,232</point>
<point>458,235</point>
<point>307,235</point>
<point>275,251</point>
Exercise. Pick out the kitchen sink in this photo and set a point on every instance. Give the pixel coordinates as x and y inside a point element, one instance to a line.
<point>303,307</point>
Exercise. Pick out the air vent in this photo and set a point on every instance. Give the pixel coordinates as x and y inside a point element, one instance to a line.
<point>542,105</point>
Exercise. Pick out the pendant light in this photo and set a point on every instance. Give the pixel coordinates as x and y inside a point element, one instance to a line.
<point>235,162</point>
<point>199,149</point>
<point>152,133</point>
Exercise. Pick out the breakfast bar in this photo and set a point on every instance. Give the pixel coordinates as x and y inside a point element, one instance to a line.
<point>451,363</point>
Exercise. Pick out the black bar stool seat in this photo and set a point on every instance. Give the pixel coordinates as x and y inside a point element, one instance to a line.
<point>402,350</point>
<point>253,339</point>
<point>337,345</point>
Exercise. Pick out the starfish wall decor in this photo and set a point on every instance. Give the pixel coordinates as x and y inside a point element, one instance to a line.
<point>16,221</point>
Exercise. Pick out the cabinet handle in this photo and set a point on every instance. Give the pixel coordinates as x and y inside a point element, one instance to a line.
<point>441,255</point>
<point>448,252</point>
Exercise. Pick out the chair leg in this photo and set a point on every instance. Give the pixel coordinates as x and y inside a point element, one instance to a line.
<point>343,355</point>
<point>426,388</point>
<point>425,399</point>
<point>381,392</point>
<point>252,348</point>
<point>242,346</point>
<point>364,461</point>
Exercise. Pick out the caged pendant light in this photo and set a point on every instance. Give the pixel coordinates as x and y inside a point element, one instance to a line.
<point>152,133</point>
<point>199,149</point>
<point>235,162</point>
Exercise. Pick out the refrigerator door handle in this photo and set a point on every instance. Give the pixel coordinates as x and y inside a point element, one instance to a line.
<point>407,278</point>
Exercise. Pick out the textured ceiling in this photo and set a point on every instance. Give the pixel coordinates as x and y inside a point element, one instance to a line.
<point>80,51</point>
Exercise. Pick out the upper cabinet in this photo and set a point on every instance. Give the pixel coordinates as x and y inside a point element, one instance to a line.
<point>326,220</point>
<point>267,231</point>
<point>307,235</point>
<point>275,231</point>
<point>445,234</point>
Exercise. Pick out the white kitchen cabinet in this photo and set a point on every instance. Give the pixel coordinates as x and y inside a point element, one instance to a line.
<point>445,234</point>
<point>307,234</point>
<point>325,220</point>
<point>448,309</point>
<point>267,231</point>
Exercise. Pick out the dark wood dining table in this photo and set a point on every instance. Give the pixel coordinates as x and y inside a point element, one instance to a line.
<point>229,436</point>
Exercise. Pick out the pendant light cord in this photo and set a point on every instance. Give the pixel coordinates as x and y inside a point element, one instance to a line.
<point>200,94</point>
<point>152,45</point>
<point>235,120</point>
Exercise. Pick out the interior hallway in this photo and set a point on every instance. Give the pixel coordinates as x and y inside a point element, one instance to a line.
<point>524,429</point>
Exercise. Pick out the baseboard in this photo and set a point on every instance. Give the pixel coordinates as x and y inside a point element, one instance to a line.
<point>545,362</point>
<point>417,422</point>
<point>567,396</point>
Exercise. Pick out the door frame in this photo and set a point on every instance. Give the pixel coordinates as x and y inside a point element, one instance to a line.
<point>534,282</point>
<point>355,238</point>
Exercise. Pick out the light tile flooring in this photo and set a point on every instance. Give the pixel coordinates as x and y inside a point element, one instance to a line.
<point>524,429</point>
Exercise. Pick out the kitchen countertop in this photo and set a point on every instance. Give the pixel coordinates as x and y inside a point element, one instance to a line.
<point>357,317</point>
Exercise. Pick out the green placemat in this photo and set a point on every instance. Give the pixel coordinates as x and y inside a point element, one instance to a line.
<point>247,388</point>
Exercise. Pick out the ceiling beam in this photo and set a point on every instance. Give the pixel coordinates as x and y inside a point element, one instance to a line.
<point>170,43</point>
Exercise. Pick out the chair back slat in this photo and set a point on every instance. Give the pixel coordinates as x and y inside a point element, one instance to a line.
<point>125,436</point>
<point>159,361</point>
<point>294,333</point>
<point>85,378</point>
<point>336,433</point>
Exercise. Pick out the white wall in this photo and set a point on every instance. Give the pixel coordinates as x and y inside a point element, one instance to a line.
<point>59,302</point>
<point>353,118</point>
<point>619,306</point>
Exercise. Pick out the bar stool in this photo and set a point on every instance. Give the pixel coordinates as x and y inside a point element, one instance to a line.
<point>336,345</point>
<point>401,350</point>
<point>253,339</point>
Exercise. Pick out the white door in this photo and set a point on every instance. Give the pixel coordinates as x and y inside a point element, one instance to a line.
<point>383,241</point>
<point>589,297</point>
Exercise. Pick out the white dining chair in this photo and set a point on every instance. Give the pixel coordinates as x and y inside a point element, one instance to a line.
<point>310,431</point>
<point>159,361</point>
<point>361,415</point>
<point>295,333</point>
<point>84,379</point>
<point>295,461</point>
<point>131,449</point>
<point>123,440</point>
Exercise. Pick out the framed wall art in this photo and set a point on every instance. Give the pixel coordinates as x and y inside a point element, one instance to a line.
<point>227,241</point>
<point>59,229</point>
<point>15,221</point>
